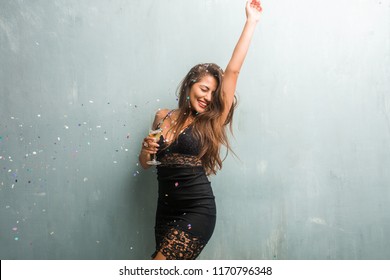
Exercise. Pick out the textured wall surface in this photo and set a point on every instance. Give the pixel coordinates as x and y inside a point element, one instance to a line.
<point>80,82</point>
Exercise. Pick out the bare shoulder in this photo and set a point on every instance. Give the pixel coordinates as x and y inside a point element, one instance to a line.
<point>160,115</point>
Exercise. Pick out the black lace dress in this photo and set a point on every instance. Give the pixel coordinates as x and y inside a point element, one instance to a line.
<point>186,212</point>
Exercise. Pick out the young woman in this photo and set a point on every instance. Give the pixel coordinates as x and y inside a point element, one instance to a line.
<point>188,150</point>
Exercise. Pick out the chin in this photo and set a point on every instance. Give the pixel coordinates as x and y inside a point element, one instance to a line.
<point>200,110</point>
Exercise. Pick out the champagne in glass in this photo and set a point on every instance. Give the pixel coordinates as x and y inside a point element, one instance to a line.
<point>155,134</point>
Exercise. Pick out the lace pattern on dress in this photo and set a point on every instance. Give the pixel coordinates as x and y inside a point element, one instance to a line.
<point>180,160</point>
<point>179,245</point>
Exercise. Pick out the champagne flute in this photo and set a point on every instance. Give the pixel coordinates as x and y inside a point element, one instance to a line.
<point>155,134</point>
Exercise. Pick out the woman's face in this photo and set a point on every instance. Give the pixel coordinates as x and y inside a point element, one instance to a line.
<point>202,92</point>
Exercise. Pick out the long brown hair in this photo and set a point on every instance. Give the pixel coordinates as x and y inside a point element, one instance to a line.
<point>207,125</point>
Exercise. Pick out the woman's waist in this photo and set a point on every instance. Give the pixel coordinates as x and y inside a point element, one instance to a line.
<point>183,185</point>
<point>172,159</point>
<point>166,174</point>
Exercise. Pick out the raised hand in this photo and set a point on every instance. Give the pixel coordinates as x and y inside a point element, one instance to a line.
<point>253,10</point>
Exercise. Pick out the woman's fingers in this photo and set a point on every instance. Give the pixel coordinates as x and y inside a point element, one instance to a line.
<point>256,4</point>
<point>253,9</point>
<point>149,145</point>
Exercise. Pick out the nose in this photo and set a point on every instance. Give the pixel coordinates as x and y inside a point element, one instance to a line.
<point>208,96</point>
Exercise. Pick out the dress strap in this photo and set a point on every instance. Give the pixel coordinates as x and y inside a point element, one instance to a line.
<point>163,119</point>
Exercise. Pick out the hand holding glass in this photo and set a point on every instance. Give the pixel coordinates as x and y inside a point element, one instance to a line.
<point>155,134</point>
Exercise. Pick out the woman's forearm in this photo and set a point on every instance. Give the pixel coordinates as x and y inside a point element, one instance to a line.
<point>143,158</point>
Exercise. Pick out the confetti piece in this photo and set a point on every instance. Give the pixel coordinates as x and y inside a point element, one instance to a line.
<point>66,127</point>
<point>90,101</point>
<point>189,226</point>
<point>14,228</point>
<point>176,184</point>
<point>16,238</point>
<point>85,179</point>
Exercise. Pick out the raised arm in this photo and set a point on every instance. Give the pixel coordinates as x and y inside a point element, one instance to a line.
<point>253,10</point>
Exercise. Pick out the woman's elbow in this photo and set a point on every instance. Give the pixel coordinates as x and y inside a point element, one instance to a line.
<point>231,71</point>
<point>143,164</point>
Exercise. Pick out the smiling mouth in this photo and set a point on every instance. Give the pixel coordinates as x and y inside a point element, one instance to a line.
<point>202,104</point>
